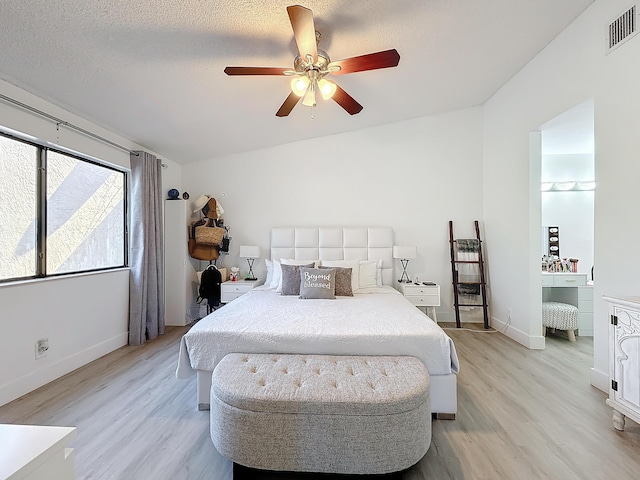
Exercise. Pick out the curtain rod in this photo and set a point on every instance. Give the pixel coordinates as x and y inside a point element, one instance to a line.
<point>59,122</point>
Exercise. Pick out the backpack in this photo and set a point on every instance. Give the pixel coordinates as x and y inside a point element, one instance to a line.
<point>210,286</point>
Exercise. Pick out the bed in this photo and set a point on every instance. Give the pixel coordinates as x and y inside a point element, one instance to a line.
<point>376,320</point>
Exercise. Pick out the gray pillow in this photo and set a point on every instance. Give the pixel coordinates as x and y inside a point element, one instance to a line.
<point>343,281</point>
<point>291,278</point>
<point>318,283</point>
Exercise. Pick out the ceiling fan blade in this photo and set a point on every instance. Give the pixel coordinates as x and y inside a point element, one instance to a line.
<point>371,61</point>
<point>255,70</point>
<point>304,31</point>
<point>346,101</point>
<point>291,101</point>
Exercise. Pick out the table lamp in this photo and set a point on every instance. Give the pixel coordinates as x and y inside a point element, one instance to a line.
<point>404,254</point>
<point>250,252</point>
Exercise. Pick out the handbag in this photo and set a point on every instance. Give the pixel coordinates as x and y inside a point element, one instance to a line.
<point>209,235</point>
<point>192,227</point>
<point>203,252</point>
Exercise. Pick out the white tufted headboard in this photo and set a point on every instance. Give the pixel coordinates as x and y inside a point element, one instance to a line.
<point>336,243</point>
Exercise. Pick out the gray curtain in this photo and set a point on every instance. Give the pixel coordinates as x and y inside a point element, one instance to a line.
<point>146,284</point>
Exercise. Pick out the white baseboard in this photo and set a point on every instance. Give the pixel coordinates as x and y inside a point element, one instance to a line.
<point>600,380</point>
<point>36,379</point>
<point>533,342</point>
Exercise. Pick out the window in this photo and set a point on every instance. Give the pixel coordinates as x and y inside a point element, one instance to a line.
<point>18,167</point>
<point>69,218</point>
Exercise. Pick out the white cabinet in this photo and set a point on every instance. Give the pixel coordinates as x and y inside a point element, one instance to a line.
<point>422,296</point>
<point>180,280</point>
<point>32,452</point>
<point>585,311</point>
<point>231,290</point>
<point>624,359</point>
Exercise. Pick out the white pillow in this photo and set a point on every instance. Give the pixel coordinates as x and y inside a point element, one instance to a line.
<point>277,271</point>
<point>269,264</point>
<point>369,274</point>
<point>276,278</point>
<point>354,265</point>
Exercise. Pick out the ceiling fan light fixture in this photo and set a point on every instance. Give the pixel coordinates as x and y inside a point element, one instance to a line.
<point>299,85</point>
<point>327,88</point>
<point>309,99</point>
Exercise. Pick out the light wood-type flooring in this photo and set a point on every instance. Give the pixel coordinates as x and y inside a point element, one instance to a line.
<point>522,414</point>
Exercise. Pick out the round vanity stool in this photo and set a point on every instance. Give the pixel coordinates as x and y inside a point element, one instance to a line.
<point>560,316</point>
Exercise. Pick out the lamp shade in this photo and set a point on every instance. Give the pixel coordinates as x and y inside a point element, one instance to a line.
<point>249,251</point>
<point>404,252</point>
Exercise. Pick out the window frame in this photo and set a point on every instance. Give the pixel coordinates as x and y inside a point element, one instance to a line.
<point>41,204</point>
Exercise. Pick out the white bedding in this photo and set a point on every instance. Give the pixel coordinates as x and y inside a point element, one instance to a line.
<point>379,322</point>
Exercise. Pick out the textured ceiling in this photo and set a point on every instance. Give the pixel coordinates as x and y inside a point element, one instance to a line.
<point>152,71</point>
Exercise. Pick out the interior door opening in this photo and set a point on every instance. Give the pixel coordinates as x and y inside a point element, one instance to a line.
<point>567,212</point>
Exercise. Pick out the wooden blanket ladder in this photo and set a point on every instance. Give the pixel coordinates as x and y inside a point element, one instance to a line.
<point>465,253</point>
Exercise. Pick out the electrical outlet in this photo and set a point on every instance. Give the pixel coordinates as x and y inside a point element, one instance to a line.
<point>42,347</point>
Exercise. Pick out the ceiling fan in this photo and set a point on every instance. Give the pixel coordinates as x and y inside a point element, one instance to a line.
<point>312,65</point>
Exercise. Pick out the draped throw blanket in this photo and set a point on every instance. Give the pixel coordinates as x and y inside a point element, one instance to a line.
<point>146,284</point>
<point>468,250</point>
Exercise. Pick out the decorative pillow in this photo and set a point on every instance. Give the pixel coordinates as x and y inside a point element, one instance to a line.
<point>343,281</point>
<point>368,274</point>
<point>318,283</point>
<point>278,269</point>
<point>291,278</point>
<point>354,265</point>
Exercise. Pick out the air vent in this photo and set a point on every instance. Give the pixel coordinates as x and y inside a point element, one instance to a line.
<point>622,29</point>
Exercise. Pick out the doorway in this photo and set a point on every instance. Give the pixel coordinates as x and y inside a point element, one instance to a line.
<point>567,209</point>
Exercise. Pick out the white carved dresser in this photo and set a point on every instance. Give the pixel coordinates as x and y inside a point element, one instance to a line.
<point>624,359</point>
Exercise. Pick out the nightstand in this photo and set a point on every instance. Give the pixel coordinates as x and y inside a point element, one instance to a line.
<point>231,290</point>
<point>421,295</point>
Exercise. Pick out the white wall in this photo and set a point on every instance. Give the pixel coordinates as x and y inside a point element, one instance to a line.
<point>84,316</point>
<point>414,176</point>
<point>572,69</point>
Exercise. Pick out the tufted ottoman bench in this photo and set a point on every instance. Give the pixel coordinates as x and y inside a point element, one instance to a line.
<point>321,413</point>
<point>560,316</point>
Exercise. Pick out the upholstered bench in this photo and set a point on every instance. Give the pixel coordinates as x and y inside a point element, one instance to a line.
<point>321,413</point>
<point>560,316</point>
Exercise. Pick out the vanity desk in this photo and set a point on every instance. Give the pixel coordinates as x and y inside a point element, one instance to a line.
<point>571,288</point>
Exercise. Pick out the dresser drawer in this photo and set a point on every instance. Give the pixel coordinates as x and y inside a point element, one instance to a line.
<point>585,293</point>
<point>547,280</point>
<point>428,300</point>
<point>236,287</point>
<point>569,280</point>
<point>420,290</point>
<point>585,306</point>
<point>226,297</point>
